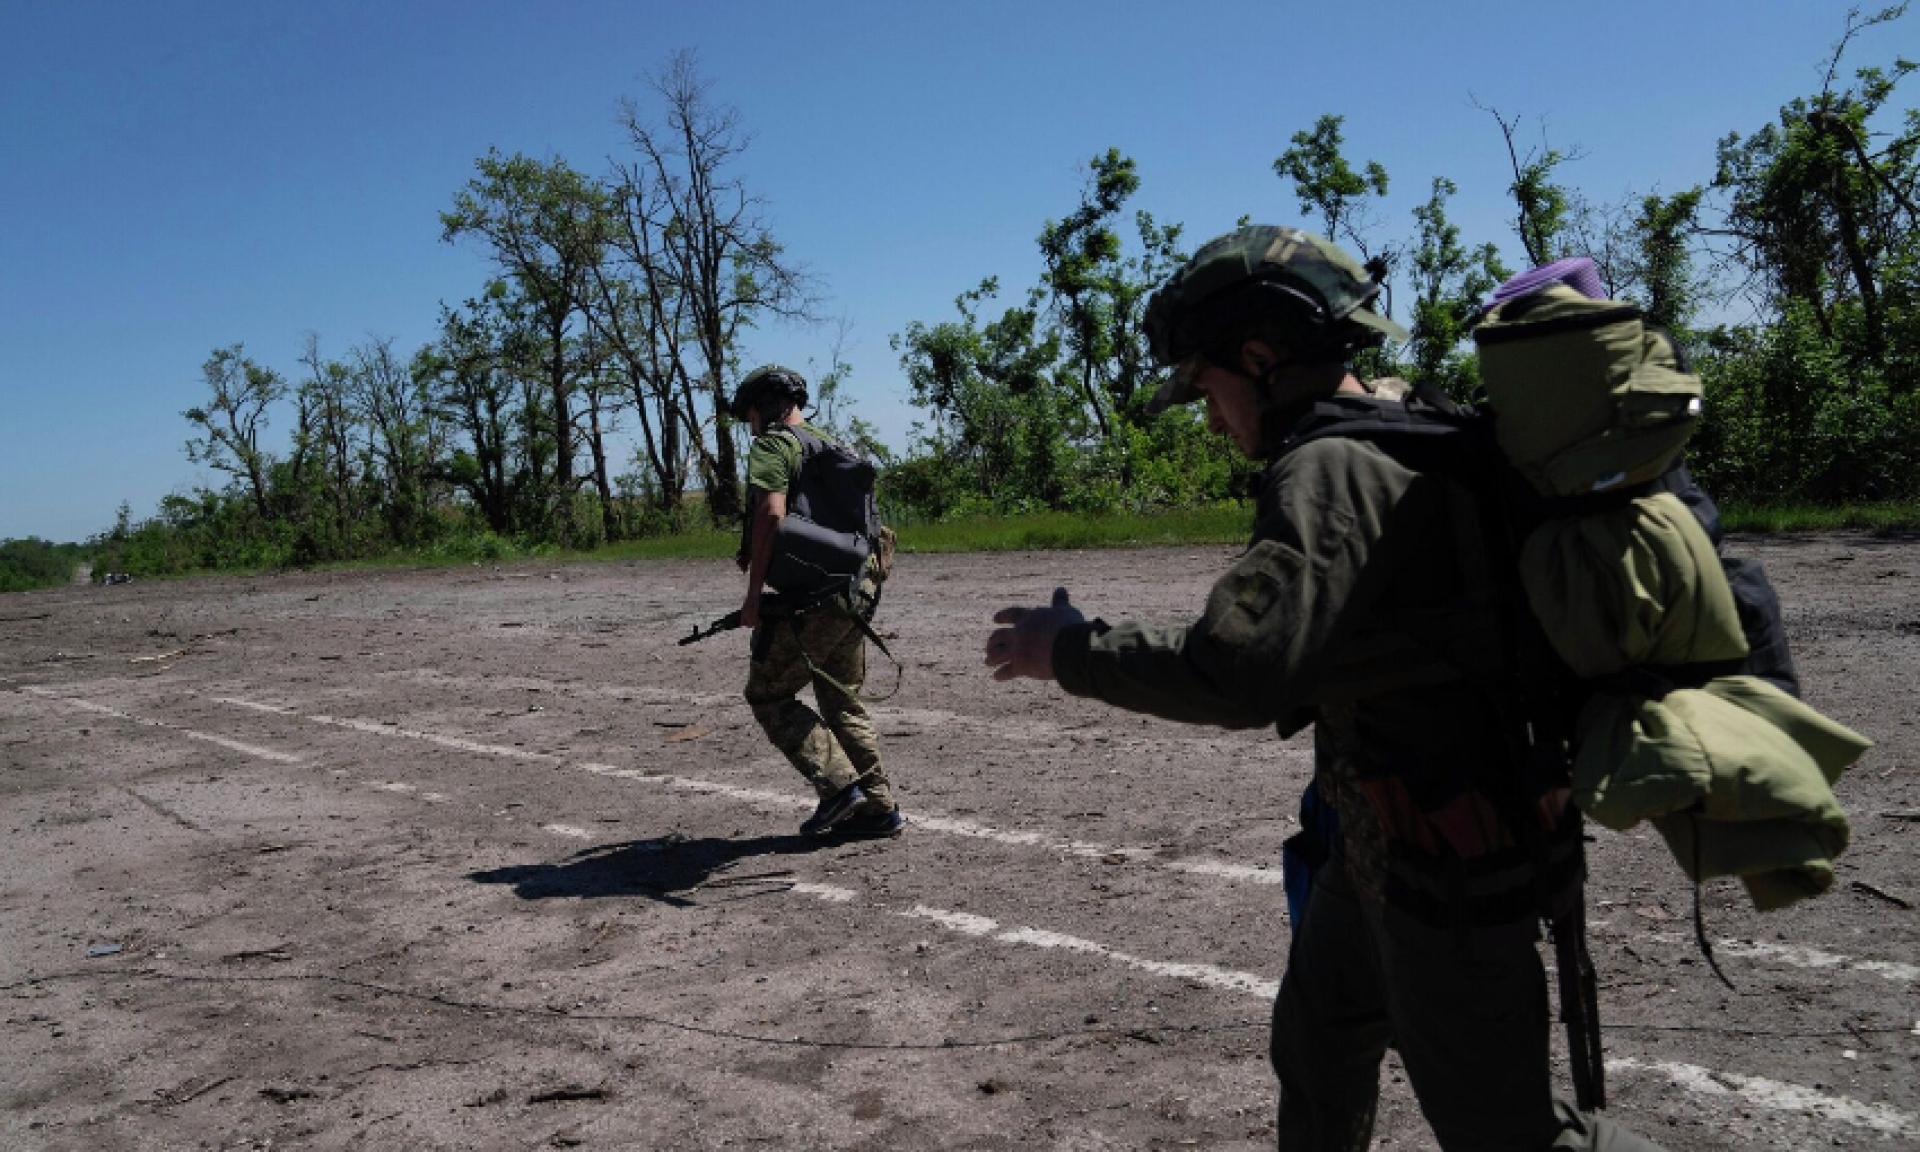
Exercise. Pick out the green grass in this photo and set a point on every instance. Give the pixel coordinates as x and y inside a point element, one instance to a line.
<point>1890,516</point>
<point>1057,531</point>
<point>1219,524</point>
<point>1041,531</point>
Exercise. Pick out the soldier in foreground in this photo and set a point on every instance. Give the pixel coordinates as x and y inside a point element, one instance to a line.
<point>823,643</point>
<point>1420,933</point>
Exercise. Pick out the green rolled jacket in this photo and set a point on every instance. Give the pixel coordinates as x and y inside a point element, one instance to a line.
<point>1736,774</point>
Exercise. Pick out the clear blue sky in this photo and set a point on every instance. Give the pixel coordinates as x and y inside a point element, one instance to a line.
<point>180,177</point>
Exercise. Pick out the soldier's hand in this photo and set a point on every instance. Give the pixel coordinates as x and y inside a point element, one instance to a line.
<point>1026,648</point>
<point>750,614</point>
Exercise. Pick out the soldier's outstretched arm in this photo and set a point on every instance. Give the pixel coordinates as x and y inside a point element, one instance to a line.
<point>1025,647</point>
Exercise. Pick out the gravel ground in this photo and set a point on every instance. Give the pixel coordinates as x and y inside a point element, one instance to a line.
<point>479,858</point>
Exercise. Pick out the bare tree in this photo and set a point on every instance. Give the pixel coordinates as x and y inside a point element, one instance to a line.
<point>327,428</point>
<point>401,432</point>
<point>640,313</point>
<point>717,247</point>
<point>1542,204</point>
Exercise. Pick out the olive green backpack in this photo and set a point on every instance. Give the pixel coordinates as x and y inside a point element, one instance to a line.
<point>1586,397</point>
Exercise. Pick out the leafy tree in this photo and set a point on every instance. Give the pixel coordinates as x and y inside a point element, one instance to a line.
<point>325,457</point>
<point>229,425</point>
<point>35,563</point>
<point>1449,282</point>
<point>1096,294</point>
<point>546,226</point>
<point>404,435</point>
<point>1819,219</point>
<point>1329,186</point>
<point>1663,267</point>
<point>469,372</point>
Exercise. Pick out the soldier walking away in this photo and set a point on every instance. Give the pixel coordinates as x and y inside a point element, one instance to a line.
<point>820,643</point>
<point>1421,930</point>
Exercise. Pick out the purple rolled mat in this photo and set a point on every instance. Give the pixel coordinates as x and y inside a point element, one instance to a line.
<point>1576,272</point>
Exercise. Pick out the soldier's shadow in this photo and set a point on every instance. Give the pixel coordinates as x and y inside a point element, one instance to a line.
<point>668,869</point>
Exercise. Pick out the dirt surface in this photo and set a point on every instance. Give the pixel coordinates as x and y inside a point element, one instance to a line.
<point>479,858</point>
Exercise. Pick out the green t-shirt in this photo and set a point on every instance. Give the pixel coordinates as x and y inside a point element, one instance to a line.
<point>774,459</point>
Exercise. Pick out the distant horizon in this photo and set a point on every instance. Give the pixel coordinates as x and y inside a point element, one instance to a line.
<point>237,175</point>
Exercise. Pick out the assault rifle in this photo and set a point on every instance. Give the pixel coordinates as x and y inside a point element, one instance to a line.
<point>774,606</point>
<point>771,605</point>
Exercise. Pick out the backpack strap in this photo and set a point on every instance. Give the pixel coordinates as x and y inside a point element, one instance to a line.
<point>860,621</point>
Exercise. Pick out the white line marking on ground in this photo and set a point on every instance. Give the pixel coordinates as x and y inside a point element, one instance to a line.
<point>1777,1096</point>
<point>786,801</point>
<point>1813,958</point>
<point>390,786</point>
<point>1788,954</point>
<point>829,892</point>
<point>980,926</point>
<point>189,733</point>
<point>1011,730</point>
<point>567,830</point>
<point>1766,1093</point>
<point>957,921</point>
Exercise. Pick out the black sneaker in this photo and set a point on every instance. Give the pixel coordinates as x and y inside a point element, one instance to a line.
<point>872,825</point>
<point>833,810</point>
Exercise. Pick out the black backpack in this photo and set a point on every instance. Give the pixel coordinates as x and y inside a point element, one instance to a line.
<point>832,527</point>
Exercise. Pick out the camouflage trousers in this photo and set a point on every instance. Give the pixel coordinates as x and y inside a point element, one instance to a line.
<point>837,745</point>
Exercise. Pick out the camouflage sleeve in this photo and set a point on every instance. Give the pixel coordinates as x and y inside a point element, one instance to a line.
<point>1272,622</point>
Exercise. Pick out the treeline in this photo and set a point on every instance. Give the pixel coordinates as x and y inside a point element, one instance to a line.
<point>36,563</point>
<point>1806,231</point>
<point>617,304</point>
<point>616,307</point>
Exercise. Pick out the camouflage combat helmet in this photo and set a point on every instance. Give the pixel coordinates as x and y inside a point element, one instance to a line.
<point>763,387</point>
<point>1306,286</point>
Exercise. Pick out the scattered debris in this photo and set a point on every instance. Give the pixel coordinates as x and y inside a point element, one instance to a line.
<point>257,954</point>
<point>98,950</point>
<point>281,1095</point>
<point>567,1092</point>
<point>1114,858</point>
<point>1909,817</point>
<point>189,650</point>
<point>497,1096</point>
<point>994,1087</point>
<point>1896,901</point>
<point>689,734</point>
<point>782,876</point>
<point>191,1089</point>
